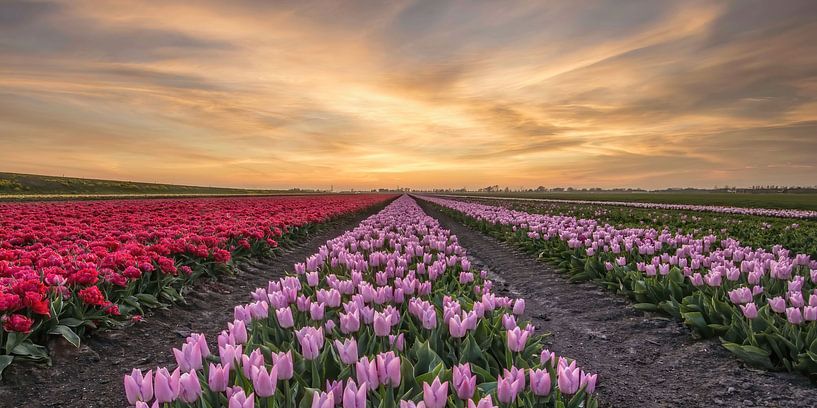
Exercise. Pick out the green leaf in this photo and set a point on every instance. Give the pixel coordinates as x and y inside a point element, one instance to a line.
<point>646,307</point>
<point>5,361</point>
<point>750,354</point>
<point>67,333</point>
<point>71,322</point>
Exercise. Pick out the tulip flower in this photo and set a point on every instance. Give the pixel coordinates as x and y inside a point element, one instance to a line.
<point>366,373</point>
<point>456,327</point>
<point>382,324</point>
<point>166,386</point>
<point>347,351</point>
<point>283,365</point>
<point>483,403</point>
<point>749,310</point>
<point>388,369</point>
<point>810,313</point>
<point>264,382</point>
<point>568,378</point>
<point>323,399</point>
<point>506,390</point>
<point>349,322</point>
<point>284,316</point>
<point>311,341</point>
<point>189,387</point>
<point>240,400</point>
<point>540,382</point>
<point>778,304</point>
<point>238,330</point>
<point>189,357</point>
<point>218,376</point>
<point>588,381</point>
<point>354,396</point>
<point>138,387</point>
<point>435,395</point>
<point>517,339</point>
<point>316,311</point>
<point>464,383</point>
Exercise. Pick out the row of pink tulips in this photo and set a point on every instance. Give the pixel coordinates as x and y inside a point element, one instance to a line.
<point>765,212</point>
<point>762,304</point>
<point>389,314</point>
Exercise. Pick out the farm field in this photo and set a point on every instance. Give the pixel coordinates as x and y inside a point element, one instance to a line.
<point>426,289</point>
<point>27,187</point>
<point>790,200</point>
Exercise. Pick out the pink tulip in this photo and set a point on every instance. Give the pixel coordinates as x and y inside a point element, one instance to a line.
<point>238,330</point>
<point>568,378</point>
<point>138,387</point>
<point>316,311</point>
<point>388,369</point>
<point>435,394</point>
<point>323,400</point>
<point>464,383</point>
<point>366,373</point>
<point>354,396</point>
<point>189,357</point>
<point>240,400</point>
<point>189,387</point>
<point>483,403</point>
<point>456,327</point>
<point>347,351</point>
<point>264,382</point>
<point>349,322</point>
<point>283,365</point>
<point>588,381</point>
<point>218,376</point>
<point>749,310</point>
<point>517,339</point>
<point>810,313</point>
<point>778,304</point>
<point>284,316</point>
<point>166,386</point>
<point>540,382</point>
<point>382,324</point>
<point>311,341</point>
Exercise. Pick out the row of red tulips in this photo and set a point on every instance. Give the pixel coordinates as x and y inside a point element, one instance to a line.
<point>67,267</point>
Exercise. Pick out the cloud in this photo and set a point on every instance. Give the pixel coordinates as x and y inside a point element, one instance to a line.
<point>417,93</point>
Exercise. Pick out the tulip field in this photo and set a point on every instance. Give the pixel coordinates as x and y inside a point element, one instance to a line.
<point>395,311</point>
<point>761,302</point>
<point>389,314</point>
<point>70,267</point>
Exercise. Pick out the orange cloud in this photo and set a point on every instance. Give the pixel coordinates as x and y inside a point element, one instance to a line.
<point>419,93</point>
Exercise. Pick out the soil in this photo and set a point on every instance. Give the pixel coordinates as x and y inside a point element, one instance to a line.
<point>91,377</point>
<point>643,359</point>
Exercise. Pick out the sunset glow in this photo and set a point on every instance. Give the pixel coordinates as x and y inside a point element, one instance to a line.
<point>411,93</point>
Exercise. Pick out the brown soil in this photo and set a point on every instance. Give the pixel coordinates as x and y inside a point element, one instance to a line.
<point>643,359</point>
<point>91,377</point>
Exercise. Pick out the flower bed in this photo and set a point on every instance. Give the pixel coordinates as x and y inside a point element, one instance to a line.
<point>762,304</point>
<point>389,314</point>
<point>67,267</point>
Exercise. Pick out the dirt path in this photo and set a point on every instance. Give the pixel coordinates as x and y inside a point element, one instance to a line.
<point>92,376</point>
<point>643,360</point>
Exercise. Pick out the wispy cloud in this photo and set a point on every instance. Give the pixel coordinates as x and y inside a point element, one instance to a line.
<point>416,93</point>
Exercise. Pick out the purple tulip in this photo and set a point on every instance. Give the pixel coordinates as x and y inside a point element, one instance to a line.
<point>316,311</point>
<point>540,382</point>
<point>388,369</point>
<point>568,378</point>
<point>283,365</point>
<point>138,387</point>
<point>189,357</point>
<point>588,381</point>
<point>464,383</point>
<point>349,322</point>
<point>382,324</point>
<point>366,373</point>
<point>264,382</point>
<point>456,327</point>
<point>483,403</point>
<point>749,310</point>
<point>311,341</point>
<point>810,313</point>
<point>517,339</point>
<point>354,396</point>
<point>323,399</point>
<point>284,316</point>
<point>189,387</point>
<point>435,395</point>
<point>166,386</point>
<point>778,304</point>
<point>347,351</point>
<point>240,400</point>
<point>218,376</point>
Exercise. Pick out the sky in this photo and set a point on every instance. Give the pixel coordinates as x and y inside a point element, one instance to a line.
<point>421,94</point>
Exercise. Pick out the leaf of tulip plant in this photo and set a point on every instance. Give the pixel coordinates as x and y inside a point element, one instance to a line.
<point>67,333</point>
<point>5,360</point>
<point>750,354</point>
